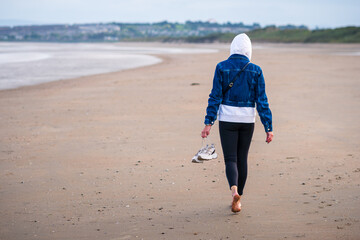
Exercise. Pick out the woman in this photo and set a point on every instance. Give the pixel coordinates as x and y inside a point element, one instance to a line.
<point>238,86</point>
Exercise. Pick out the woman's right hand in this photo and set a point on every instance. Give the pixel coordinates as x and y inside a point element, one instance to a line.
<point>206,131</point>
<point>269,137</point>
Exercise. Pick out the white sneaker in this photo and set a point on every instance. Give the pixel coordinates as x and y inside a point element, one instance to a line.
<point>195,158</point>
<point>209,153</point>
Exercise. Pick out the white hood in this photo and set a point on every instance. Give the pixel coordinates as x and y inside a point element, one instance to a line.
<point>241,45</point>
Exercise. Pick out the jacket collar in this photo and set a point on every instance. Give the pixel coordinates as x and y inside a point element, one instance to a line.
<point>239,56</point>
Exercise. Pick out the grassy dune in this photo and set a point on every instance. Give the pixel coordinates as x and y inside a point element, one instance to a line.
<point>338,35</point>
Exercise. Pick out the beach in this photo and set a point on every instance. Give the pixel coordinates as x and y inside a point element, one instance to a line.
<point>108,156</point>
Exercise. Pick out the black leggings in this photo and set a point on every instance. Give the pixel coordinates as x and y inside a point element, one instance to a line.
<point>235,142</point>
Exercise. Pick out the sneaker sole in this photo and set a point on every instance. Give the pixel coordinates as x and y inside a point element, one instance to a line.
<point>213,156</point>
<point>194,160</point>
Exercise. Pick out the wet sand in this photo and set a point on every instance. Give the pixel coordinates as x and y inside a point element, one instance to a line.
<point>109,156</point>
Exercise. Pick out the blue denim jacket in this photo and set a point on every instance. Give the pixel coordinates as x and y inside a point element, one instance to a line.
<point>247,90</point>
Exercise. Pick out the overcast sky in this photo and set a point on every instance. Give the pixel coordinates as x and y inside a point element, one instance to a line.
<point>321,13</point>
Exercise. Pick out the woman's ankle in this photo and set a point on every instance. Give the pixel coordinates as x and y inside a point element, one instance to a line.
<point>234,190</point>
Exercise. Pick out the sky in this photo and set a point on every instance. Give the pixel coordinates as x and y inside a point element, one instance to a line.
<point>312,13</point>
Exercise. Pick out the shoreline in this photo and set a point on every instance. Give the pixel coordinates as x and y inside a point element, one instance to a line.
<point>59,61</point>
<point>81,77</point>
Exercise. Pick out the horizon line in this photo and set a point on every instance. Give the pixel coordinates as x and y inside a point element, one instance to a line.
<point>35,23</point>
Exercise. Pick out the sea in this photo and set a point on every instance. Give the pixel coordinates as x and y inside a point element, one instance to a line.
<point>28,63</point>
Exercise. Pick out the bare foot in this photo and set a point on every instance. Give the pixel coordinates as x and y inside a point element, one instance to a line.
<point>236,205</point>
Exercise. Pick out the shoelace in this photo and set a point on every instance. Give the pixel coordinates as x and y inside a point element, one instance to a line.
<point>211,149</point>
<point>207,149</point>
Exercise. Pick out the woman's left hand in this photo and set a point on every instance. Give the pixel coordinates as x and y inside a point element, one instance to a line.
<point>269,137</point>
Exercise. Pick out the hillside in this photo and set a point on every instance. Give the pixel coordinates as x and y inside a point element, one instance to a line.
<point>192,32</point>
<point>274,34</point>
<point>338,35</point>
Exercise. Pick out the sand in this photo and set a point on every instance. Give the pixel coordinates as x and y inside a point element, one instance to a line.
<point>109,156</point>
